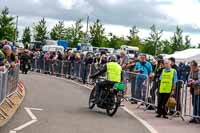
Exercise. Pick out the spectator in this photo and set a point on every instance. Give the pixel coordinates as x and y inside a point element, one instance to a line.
<point>156,82</point>
<point>183,72</point>
<point>123,63</point>
<point>144,70</point>
<point>173,65</point>
<point>131,67</point>
<point>194,83</point>
<point>168,80</point>
<point>60,57</point>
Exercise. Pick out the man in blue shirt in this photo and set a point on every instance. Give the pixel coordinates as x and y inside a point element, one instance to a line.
<point>144,70</point>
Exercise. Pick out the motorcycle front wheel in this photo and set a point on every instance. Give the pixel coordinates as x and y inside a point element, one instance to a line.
<point>111,110</point>
<point>92,98</point>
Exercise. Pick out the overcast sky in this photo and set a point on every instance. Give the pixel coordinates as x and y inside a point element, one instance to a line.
<point>116,15</point>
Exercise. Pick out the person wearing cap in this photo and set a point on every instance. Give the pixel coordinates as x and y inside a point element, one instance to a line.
<point>168,81</point>
<point>113,75</point>
<point>194,84</point>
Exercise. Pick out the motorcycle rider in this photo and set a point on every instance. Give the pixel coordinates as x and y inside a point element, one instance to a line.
<point>113,75</point>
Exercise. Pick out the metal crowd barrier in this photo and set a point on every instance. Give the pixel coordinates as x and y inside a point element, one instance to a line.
<point>191,102</point>
<point>3,85</point>
<point>8,86</point>
<point>140,90</point>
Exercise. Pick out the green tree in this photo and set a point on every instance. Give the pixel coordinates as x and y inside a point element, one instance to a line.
<point>58,31</point>
<point>153,43</point>
<point>26,38</point>
<point>177,40</point>
<point>74,34</point>
<point>134,39</point>
<point>7,27</point>
<point>115,42</point>
<point>167,49</point>
<point>187,42</point>
<point>97,32</point>
<point>40,30</point>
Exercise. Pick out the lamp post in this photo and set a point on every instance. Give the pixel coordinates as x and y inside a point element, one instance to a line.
<point>16,29</point>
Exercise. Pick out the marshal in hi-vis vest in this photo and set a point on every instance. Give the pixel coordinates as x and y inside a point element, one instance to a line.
<point>114,72</point>
<point>167,81</point>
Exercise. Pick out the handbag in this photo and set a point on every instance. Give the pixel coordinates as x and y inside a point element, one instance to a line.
<point>171,103</point>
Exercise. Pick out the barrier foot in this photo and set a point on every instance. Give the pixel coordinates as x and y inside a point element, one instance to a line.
<point>148,106</point>
<point>19,94</point>
<point>177,114</point>
<point>3,112</point>
<point>9,102</point>
<point>3,115</point>
<point>141,104</point>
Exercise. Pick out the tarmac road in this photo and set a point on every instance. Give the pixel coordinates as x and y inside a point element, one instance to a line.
<point>65,110</point>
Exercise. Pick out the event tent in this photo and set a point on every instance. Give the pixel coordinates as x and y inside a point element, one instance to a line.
<point>186,55</point>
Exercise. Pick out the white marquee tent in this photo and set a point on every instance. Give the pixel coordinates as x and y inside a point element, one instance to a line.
<point>186,55</point>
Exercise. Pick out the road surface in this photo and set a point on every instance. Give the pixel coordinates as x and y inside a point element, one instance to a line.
<point>65,110</point>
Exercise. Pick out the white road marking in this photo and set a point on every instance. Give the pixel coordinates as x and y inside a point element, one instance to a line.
<point>32,116</point>
<point>147,125</point>
<point>28,110</point>
<point>25,125</point>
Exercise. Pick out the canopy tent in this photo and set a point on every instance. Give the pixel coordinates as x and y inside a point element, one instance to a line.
<point>186,55</point>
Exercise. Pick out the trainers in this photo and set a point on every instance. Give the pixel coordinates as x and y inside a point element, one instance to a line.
<point>193,121</point>
<point>158,116</point>
<point>165,117</point>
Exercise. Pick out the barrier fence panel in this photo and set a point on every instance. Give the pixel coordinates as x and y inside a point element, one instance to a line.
<point>12,81</point>
<point>139,88</point>
<point>192,101</point>
<point>179,96</point>
<point>3,85</point>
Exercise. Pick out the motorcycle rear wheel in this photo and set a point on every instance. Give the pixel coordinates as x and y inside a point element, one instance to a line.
<point>92,98</point>
<point>112,110</point>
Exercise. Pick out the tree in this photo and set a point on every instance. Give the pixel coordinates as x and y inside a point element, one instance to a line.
<point>7,28</point>
<point>153,44</point>
<point>40,30</point>
<point>58,31</point>
<point>97,34</point>
<point>26,38</point>
<point>115,42</point>
<point>187,42</point>
<point>74,34</point>
<point>177,40</point>
<point>167,49</point>
<point>134,39</point>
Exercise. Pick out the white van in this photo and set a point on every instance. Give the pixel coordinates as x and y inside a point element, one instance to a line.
<point>53,48</point>
<point>129,50</point>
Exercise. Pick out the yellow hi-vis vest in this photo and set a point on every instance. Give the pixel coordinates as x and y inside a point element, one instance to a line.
<point>167,81</point>
<point>114,72</point>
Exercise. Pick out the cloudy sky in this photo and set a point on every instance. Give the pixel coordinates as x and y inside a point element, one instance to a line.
<point>116,15</point>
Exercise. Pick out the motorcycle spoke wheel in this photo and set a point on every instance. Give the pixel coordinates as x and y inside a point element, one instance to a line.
<point>111,110</point>
<point>92,99</point>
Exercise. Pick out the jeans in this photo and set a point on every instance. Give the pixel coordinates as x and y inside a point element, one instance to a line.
<point>133,94</point>
<point>196,105</point>
<point>141,87</point>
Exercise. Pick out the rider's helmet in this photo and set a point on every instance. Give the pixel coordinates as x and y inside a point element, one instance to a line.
<point>113,58</point>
